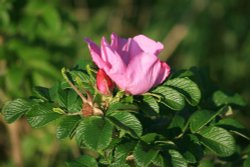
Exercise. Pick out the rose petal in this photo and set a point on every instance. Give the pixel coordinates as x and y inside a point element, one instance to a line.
<point>122,46</point>
<point>116,63</point>
<point>147,45</point>
<point>96,54</point>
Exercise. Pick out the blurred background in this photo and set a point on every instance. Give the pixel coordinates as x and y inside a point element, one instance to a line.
<point>39,37</point>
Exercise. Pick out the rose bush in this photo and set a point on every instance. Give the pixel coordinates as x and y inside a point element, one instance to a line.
<point>131,63</point>
<point>180,123</point>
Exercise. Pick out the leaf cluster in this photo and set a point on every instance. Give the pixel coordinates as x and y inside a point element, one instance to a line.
<point>174,124</point>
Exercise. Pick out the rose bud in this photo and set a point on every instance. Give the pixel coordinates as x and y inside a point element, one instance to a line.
<point>104,84</point>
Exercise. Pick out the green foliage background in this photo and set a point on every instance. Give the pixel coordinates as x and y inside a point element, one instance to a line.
<point>38,38</point>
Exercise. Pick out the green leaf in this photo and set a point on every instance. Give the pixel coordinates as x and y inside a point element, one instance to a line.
<point>42,92</point>
<point>176,126</point>
<point>67,126</point>
<point>177,159</point>
<point>95,133</point>
<point>83,161</point>
<point>149,105</point>
<point>122,151</point>
<point>122,107</point>
<point>218,140</point>
<point>73,103</point>
<point>82,79</point>
<point>233,126</point>
<point>158,161</point>
<point>220,98</point>
<point>58,95</point>
<point>66,98</point>
<point>144,154</point>
<point>41,114</point>
<point>15,109</point>
<point>190,148</point>
<point>151,137</point>
<point>201,118</point>
<point>188,88</point>
<point>126,121</point>
<point>172,98</point>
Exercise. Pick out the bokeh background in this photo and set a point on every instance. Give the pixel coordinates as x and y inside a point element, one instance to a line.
<point>39,37</point>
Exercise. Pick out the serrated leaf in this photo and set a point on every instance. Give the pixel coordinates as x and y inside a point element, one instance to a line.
<point>177,159</point>
<point>158,161</point>
<point>41,114</point>
<point>74,103</point>
<point>220,98</point>
<point>144,154</point>
<point>66,98</point>
<point>95,133</point>
<point>234,126</point>
<point>58,95</point>
<point>15,109</point>
<point>201,118</point>
<point>218,140</point>
<point>188,88</point>
<point>67,125</point>
<point>149,105</point>
<point>83,161</point>
<point>127,122</point>
<point>172,98</point>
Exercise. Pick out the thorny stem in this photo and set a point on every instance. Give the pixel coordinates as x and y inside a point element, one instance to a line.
<point>87,104</point>
<point>84,100</point>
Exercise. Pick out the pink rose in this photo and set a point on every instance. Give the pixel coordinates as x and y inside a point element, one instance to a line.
<point>104,84</point>
<point>131,63</point>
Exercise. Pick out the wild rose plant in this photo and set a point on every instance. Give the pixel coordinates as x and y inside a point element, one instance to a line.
<point>128,109</point>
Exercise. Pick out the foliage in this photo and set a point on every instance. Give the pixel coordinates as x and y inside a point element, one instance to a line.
<point>35,40</point>
<point>171,125</point>
<point>39,37</point>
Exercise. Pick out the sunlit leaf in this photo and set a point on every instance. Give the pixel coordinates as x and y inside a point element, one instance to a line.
<point>144,154</point>
<point>188,88</point>
<point>15,109</point>
<point>67,126</point>
<point>41,114</point>
<point>127,122</point>
<point>218,140</point>
<point>95,133</point>
<point>171,97</point>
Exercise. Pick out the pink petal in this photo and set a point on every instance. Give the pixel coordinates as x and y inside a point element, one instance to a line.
<point>96,54</point>
<point>116,63</point>
<point>122,46</point>
<point>146,45</point>
<point>144,72</point>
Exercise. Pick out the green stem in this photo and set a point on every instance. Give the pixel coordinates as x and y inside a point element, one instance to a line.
<point>152,94</point>
<point>84,100</point>
<point>183,131</point>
